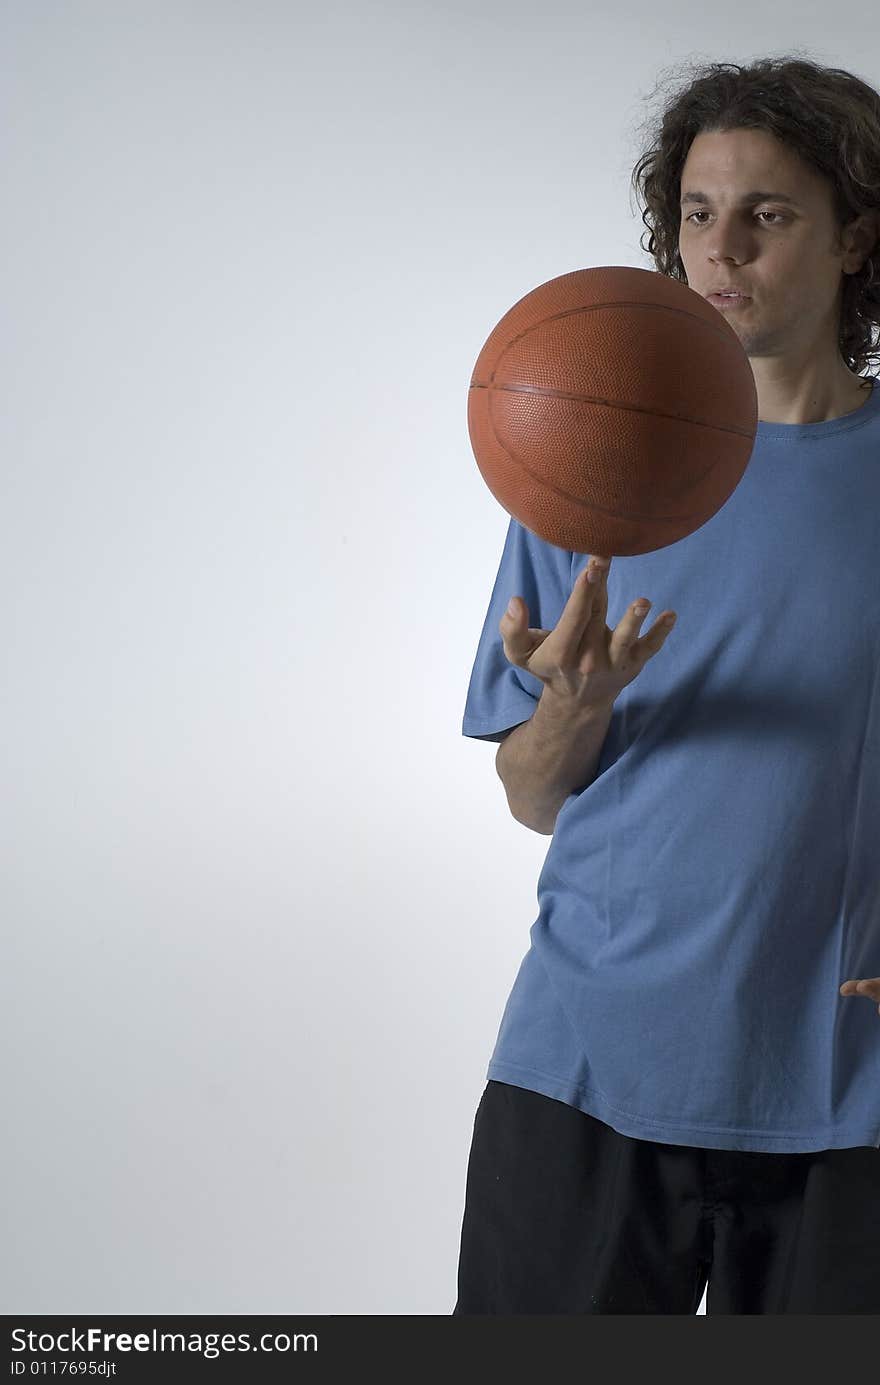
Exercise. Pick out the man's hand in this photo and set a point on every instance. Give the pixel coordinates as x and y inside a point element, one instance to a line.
<point>870,988</point>
<point>582,661</point>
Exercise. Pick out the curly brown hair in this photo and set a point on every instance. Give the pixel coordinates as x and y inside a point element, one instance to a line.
<point>828,116</point>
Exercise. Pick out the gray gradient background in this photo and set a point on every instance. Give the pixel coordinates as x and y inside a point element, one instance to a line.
<point>262,902</point>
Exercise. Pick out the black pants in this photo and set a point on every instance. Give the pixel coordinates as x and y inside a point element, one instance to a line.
<point>565,1215</point>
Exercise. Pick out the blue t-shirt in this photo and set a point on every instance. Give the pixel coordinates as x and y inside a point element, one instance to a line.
<point>703,899</point>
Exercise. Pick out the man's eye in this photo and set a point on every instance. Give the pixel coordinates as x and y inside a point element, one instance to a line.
<point>779,217</point>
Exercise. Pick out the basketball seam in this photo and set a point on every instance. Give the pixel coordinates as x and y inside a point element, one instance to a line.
<point>614,404</point>
<point>719,328</point>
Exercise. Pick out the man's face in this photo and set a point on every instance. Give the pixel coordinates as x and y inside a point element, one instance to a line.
<point>781,254</point>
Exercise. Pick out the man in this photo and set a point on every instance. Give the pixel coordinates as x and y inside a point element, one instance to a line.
<point>685,1088</point>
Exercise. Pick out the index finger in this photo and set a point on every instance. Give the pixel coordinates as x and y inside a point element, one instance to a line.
<point>596,564</point>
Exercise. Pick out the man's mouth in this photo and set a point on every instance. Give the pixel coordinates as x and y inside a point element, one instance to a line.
<point>728,300</point>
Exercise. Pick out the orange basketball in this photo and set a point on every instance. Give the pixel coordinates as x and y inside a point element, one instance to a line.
<point>612,410</point>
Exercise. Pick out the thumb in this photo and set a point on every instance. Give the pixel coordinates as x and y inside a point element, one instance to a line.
<point>513,614</point>
<point>510,626</point>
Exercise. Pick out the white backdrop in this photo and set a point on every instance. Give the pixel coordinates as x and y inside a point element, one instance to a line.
<point>262,902</point>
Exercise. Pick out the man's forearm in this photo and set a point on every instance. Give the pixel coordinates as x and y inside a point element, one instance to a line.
<point>553,754</point>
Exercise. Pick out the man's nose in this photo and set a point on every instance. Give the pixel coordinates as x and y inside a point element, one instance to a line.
<point>728,239</point>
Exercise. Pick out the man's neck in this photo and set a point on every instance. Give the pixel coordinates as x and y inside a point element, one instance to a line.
<point>810,398</point>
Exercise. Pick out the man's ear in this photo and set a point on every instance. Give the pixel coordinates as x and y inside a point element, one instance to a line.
<point>860,238</point>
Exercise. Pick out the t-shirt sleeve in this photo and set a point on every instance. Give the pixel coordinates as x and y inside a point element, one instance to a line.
<point>500,694</point>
